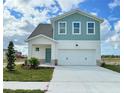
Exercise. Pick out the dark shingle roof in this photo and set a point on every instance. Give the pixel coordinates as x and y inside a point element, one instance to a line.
<point>44,29</point>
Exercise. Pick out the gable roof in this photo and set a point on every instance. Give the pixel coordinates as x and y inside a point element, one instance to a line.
<point>77,11</point>
<point>44,29</point>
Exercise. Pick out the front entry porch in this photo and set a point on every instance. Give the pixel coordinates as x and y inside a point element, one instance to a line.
<point>43,52</point>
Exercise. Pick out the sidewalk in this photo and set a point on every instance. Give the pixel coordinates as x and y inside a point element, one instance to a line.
<point>25,85</point>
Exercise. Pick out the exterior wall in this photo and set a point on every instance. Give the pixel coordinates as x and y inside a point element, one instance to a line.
<point>87,45</point>
<point>42,43</point>
<point>41,53</point>
<point>83,36</point>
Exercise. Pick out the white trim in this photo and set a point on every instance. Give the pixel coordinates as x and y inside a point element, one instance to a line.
<point>73,27</point>
<point>59,28</point>
<point>79,41</point>
<point>79,11</point>
<point>39,36</point>
<point>93,28</point>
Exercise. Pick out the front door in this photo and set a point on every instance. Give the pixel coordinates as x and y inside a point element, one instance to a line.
<point>48,55</point>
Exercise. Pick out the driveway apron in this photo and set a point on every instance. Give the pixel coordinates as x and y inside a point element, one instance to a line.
<point>84,79</point>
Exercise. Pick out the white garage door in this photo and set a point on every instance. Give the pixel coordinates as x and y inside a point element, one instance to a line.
<point>77,57</point>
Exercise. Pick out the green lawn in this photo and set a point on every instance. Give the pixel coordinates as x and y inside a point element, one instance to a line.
<point>112,67</point>
<point>111,59</point>
<point>17,60</point>
<point>21,74</point>
<point>22,91</point>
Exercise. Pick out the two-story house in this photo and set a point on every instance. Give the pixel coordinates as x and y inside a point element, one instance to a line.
<point>72,38</point>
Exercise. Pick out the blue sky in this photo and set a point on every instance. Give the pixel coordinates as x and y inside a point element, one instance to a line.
<point>22,16</point>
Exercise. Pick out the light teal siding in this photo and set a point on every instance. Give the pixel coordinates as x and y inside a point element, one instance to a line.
<point>69,36</point>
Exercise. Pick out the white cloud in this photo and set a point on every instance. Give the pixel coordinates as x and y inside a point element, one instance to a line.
<point>26,6</point>
<point>105,26</point>
<point>12,33</point>
<point>12,26</point>
<point>15,40</point>
<point>109,49</point>
<point>94,13</point>
<point>114,39</point>
<point>117,27</point>
<point>69,4</point>
<point>112,18</point>
<point>116,33</point>
<point>105,29</point>
<point>111,37</point>
<point>114,4</point>
<point>22,48</point>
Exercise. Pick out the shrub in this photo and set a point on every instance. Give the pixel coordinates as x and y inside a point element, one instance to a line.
<point>34,62</point>
<point>26,62</point>
<point>103,64</point>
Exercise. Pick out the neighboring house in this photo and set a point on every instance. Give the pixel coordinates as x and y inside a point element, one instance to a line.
<point>72,38</point>
<point>18,54</point>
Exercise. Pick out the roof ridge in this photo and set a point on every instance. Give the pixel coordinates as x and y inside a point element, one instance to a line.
<point>83,12</point>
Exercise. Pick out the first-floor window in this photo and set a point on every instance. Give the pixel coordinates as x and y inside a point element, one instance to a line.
<point>90,27</point>
<point>37,49</point>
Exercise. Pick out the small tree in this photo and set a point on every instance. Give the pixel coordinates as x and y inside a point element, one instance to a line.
<point>11,57</point>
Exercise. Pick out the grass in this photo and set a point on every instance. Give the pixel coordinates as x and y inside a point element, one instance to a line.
<point>20,59</point>
<point>21,91</point>
<point>113,67</point>
<point>17,60</point>
<point>22,74</point>
<point>111,59</point>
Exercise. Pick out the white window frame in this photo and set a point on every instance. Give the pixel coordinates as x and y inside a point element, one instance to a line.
<point>59,27</point>
<point>93,28</point>
<point>73,27</point>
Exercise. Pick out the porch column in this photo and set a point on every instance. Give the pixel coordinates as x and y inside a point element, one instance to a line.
<point>53,53</point>
<point>29,50</point>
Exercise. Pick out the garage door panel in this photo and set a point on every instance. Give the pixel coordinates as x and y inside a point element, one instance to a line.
<point>77,57</point>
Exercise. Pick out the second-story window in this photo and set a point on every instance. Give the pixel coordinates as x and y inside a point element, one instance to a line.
<point>76,28</point>
<point>62,26</point>
<point>90,28</point>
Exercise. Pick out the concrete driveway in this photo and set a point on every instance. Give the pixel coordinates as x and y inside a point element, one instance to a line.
<point>84,79</point>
